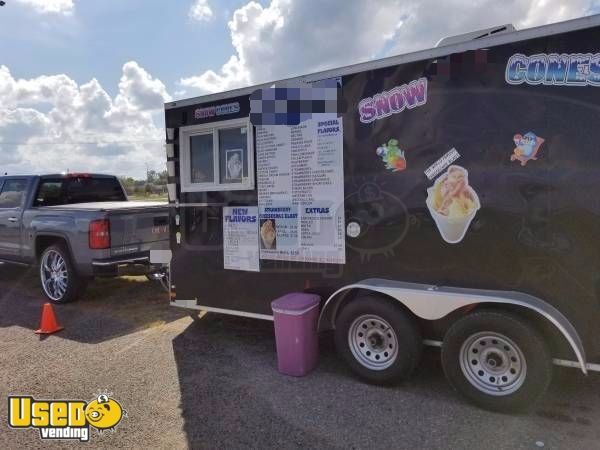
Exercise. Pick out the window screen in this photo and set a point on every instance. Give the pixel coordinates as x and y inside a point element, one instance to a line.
<point>217,156</point>
<point>201,159</point>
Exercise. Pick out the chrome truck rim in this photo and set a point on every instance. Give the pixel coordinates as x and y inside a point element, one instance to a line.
<point>53,271</point>
<point>493,363</point>
<point>373,342</point>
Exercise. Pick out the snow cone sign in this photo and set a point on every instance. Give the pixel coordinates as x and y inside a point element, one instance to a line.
<point>553,69</point>
<point>218,110</point>
<point>394,101</point>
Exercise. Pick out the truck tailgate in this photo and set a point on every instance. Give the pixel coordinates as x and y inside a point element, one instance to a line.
<point>134,230</point>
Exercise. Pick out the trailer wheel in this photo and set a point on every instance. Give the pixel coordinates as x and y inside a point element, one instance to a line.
<point>379,341</point>
<point>60,282</point>
<point>497,360</point>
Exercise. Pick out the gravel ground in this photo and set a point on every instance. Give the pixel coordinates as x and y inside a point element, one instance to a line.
<point>212,382</point>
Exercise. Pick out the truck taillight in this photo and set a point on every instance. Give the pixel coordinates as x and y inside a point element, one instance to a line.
<point>99,234</point>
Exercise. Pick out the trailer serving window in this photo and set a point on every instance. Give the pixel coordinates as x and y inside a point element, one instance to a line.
<point>217,156</point>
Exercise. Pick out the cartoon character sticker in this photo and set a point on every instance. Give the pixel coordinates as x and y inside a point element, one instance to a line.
<point>104,413</point>
<point>453,203</point>
<point>392,156</point>
<point>527,147</point>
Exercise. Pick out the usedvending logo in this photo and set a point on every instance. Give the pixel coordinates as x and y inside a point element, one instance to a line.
<point>394,101</point>
<point>65,419</point>
<point>573,69</point>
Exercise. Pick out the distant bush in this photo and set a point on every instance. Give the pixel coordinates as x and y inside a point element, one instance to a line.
<point>154,184</point>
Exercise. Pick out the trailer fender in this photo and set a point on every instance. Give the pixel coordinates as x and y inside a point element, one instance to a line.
<point>432,302</point>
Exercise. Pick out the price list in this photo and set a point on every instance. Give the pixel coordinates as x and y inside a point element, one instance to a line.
<point>301,191</point>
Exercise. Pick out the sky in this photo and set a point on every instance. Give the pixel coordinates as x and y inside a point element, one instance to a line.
<point>83,82</point>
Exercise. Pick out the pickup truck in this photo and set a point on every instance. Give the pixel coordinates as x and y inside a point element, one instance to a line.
<point>77,226</point>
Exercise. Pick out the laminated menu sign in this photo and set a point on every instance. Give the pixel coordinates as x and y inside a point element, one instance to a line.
<point>300,179</point>
<point>240,238</point>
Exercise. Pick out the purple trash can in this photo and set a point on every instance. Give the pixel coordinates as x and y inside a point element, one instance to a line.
<point>296,316</point>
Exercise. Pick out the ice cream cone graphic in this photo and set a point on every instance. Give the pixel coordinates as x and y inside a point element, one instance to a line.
<point>453,204</point>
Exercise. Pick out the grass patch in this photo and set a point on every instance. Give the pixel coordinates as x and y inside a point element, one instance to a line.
<point>148,198</point>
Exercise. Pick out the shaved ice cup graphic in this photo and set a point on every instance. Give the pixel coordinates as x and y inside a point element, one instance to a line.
<point>453,230</point>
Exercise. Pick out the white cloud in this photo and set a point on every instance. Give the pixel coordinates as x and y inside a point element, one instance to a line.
<point>295,37</point>
<point>471,16</point>
<point>50,6</point>
<point>233,74</point>
<point>200,10</point>
<point>139,88</point>
<point>51,124</point>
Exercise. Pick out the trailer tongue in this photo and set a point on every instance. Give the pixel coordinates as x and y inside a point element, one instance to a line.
<point>445,197</point>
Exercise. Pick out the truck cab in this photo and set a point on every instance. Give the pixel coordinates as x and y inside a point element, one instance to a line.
<point>13,192</point>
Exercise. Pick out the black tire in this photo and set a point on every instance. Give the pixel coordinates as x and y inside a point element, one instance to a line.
<point>406,334</point>
<point>522,383</point>
<point>74,285</point>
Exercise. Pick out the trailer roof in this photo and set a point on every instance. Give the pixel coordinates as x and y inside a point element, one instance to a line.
<point>490,41</point>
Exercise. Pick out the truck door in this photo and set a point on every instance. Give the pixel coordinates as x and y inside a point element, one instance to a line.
<point>12,198</point>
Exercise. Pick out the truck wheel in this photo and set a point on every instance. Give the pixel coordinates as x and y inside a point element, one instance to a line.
<point>497,360</point>
<point>60,281</point>
<point>379,341</point>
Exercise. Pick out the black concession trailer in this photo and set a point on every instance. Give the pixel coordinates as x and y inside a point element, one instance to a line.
<point>446,197</point>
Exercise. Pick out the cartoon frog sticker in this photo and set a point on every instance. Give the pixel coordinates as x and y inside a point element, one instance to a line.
<point>527,147</point>
<point>392,156</point>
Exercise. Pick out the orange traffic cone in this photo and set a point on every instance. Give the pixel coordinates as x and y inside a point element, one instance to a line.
<point>48,324</point>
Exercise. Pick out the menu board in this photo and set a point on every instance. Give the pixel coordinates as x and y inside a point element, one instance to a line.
<point>240,238</point>
<point>300,179</point>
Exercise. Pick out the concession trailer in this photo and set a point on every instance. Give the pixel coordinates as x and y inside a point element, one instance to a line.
<point>448,197</point>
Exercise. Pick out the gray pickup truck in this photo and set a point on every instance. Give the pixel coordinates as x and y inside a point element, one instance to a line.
<point>75,227</point>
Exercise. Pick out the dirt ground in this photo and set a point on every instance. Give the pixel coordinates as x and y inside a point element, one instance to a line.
<point>212,382</point>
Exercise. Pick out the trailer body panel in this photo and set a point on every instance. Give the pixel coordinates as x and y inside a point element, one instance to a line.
<point>520,118</point>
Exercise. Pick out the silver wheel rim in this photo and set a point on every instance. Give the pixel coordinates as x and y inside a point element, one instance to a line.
<point>493,363</point>
<point>54,275</point>
<point>373,342</point>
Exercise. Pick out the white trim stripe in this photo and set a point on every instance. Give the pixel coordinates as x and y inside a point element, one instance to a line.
<point>432,343</point>
<point>191,304</point>
<point>575,365</point>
